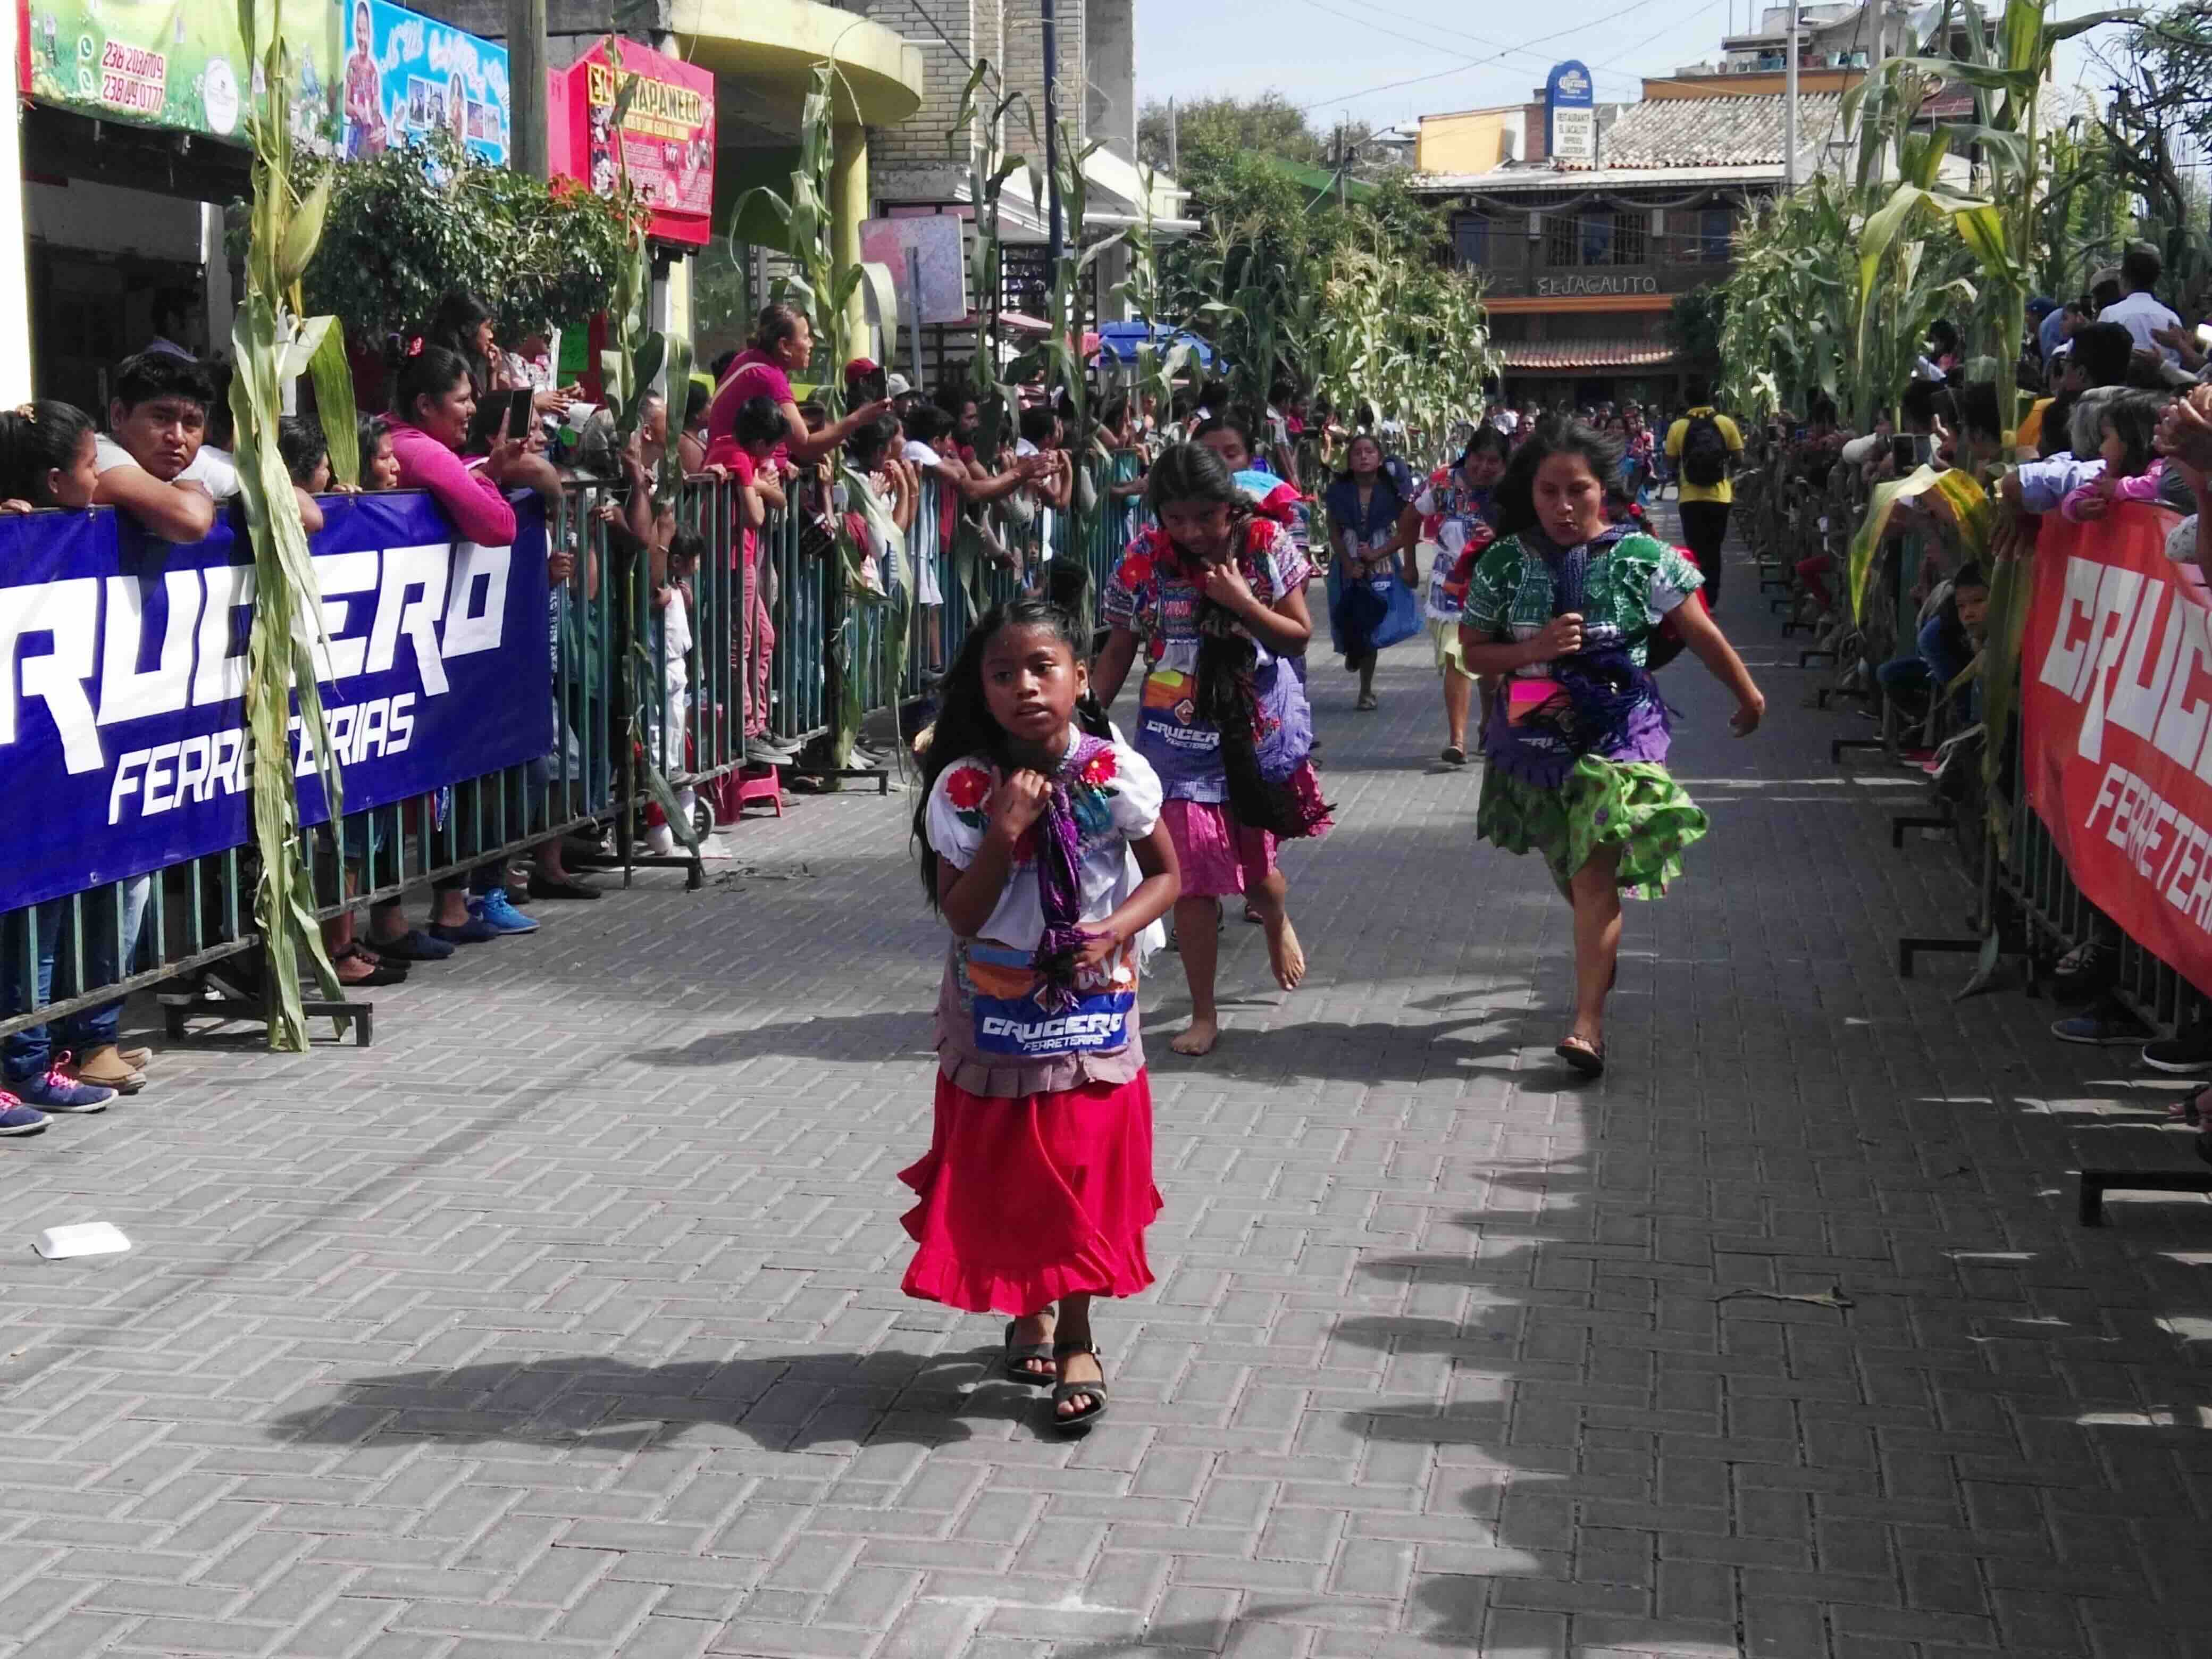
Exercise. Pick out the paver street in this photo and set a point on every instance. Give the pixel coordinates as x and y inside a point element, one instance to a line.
<point>565,1321</point>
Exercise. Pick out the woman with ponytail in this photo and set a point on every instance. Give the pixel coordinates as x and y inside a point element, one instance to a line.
<point>47,458</point>
<point>782,346</point>
<point>1215,593</point>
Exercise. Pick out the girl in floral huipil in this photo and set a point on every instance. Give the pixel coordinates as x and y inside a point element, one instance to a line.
<point>1567,604</point>
<point>1215,594</point>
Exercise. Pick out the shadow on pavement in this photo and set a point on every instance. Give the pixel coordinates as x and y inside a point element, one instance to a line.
<point>781,1402</point>
<point>890,1034</point>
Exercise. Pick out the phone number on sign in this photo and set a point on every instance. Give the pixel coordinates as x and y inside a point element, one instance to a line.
<point>133,78</point>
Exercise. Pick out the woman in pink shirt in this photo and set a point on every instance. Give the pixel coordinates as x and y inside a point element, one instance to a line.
<point>435,402</point>
<point>783,345</point>
<point>432,406</point>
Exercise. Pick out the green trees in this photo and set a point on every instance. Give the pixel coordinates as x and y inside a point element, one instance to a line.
<point>1355,298</point>
<point>399,234</point>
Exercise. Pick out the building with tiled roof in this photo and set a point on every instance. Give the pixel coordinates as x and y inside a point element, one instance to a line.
<point>1582,259</point>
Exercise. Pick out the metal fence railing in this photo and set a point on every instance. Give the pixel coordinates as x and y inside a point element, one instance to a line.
<point>620,699</point>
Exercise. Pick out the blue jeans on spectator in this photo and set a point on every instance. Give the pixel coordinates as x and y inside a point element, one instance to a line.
<point>1930,668</point>
<point>28,1052</point>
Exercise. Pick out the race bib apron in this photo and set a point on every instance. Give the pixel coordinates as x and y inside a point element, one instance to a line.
<point>1011,1019</point>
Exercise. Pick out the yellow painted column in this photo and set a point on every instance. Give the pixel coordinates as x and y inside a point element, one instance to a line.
<point>848,206</point>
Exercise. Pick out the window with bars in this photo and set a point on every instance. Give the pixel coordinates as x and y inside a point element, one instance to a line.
<point>1631,239</point>
<point>1716,225</point>
<point>1471,234</point>
<point>1562,242</point>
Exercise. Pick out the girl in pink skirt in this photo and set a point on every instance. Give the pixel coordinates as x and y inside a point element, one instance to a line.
<point>1216,595</point>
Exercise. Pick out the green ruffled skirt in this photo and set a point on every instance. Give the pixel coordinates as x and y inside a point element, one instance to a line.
<point>1631,805</point>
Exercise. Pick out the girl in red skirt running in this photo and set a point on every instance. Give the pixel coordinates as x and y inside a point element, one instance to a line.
<point>1216,595</point>
<point>1043,850</point>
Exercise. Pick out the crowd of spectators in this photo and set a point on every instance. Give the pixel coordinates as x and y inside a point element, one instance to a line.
<point>451,429</point>
<point>2121,413</point>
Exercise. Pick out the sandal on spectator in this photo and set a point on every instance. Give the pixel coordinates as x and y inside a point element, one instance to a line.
<point>565,887</point>
<point>372,971</point>
<point>413,945</point>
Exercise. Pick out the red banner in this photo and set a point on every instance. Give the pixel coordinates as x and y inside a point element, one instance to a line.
<point>2116,690</point>
<point>667,135</point>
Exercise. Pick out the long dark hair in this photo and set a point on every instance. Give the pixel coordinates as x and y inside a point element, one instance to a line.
<point>41,438</point>
<point>965,725</point>
<point>1561,434</point>
<point>1192,472</point>
<point>1382,470</point>
<point>1485,437</point>
<point>453,324</point>
<point>430,373</point>
<point>1229,421</point>
<point>2134,418</point>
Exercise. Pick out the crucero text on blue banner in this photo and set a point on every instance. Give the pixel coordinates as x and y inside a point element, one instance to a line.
<point>122,727</point>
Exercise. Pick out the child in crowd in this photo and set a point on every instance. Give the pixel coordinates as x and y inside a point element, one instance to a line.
<point>47,460</point>
<point>672,601</point>
<point>2127,427</point>
<point>1043,849</point>
<point>1950,635</point>
<point>1457,515</point>
<point>380,467</point>
<point>1216,595</point>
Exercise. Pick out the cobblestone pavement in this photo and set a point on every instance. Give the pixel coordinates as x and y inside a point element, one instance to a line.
<point>565,1321</point>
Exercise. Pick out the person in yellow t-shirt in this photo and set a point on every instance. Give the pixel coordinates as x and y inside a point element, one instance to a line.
<point>1705,489</point>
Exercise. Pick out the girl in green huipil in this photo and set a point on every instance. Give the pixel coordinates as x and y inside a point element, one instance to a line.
<point>1565,605</point>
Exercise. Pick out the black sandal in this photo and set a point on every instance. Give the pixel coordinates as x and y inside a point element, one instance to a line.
<point>1063,1392</point>
<point>1585,1057</point>
<point>1012,1363</point>
<point>380,972</point>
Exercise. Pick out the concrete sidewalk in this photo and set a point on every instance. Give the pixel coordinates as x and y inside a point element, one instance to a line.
<point>565,1322</point>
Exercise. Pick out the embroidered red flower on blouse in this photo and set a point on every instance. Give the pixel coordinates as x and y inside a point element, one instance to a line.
<point>1136,570</point>
<point>968,787</point>
<point>1100,769</point>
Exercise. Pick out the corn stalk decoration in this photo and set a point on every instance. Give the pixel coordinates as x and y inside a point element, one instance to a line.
<point>274,346</point>
<point>825,290</point>
<point>1139,291</point>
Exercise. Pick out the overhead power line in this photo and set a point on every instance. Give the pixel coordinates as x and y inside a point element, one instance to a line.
<point>1502,52</point>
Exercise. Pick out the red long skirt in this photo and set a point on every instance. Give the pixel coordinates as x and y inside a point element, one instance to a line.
<point>1029,1199</point>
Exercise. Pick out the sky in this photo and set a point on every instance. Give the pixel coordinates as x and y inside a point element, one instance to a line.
<point>1340,56</point>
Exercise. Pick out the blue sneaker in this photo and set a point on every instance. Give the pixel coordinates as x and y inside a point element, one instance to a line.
<point>17,1119</point>
<point>497,912</point>
<point>2108,1025</point>
<point>55,1090</point>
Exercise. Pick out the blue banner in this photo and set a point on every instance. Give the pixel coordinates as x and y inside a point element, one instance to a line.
<point>122,729</point>
<point>407,76</point>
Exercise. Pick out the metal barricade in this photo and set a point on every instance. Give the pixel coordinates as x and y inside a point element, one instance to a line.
<point>620,697</point>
